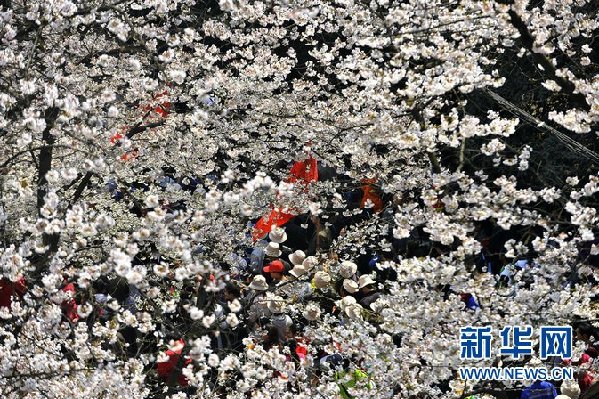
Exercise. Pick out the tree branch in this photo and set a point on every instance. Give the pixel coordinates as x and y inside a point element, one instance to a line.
<point>528,42</point>
<point>570,143</point>
<point>45,157</point>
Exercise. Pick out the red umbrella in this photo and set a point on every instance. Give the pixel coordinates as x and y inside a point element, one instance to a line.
<point>304,172</point>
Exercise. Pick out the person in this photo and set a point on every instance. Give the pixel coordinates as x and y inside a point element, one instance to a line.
<point>569,390</point>
<point>271,338</point>
<point>591,393</point>
<point>167,365</point>
<point>299,231</point>
<point>275,269</point>
<point>299,288</point>
<point>69,305</point>
<point>272,250</point>
<point>297,258</point>
<point>9,289</point>
<point>102,298</point>
<point>506,275</point>
<point>282,323</point>
<point>539,390</point>
<point>469,300</point>
<point>255,301</point>
<point>322,239</point>
<point>231,292</point>
<point>333,361</point>
<point>356,377</point>
<point>258,283</point>
<point>372,263</point>
<point>257,257</point>
<point>368,293</point>
<point>348,269</point>
<point>588,334</point>
<point>346,287</point>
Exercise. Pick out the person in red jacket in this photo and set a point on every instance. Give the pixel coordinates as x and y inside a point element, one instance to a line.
<point>166,368</point>
<point>10,288</point>
<point>587,333</point>
<point>69,306</point>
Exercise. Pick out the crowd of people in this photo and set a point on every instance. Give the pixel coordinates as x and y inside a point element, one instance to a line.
<point>289,264</point>
<point>584,386</point>
<point>285,267</point>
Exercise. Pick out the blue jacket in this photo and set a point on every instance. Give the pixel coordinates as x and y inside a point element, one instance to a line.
<point>471,303</point>
<point>539,390</point>
<point>257,258</point>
